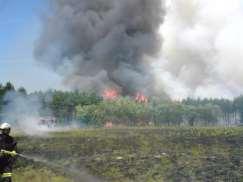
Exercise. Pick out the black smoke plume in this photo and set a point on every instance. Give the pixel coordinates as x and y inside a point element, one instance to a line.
<point>99,44</point>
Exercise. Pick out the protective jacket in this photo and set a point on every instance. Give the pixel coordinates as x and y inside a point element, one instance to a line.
<point>6,162</point>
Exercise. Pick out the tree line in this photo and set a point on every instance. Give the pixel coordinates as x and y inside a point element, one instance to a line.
<point>91,109</point>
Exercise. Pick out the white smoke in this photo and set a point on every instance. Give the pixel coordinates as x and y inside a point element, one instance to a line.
<point>24,113</point>
<point>202,48</point>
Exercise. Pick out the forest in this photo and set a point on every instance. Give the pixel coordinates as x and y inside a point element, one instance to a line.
<point>94,110</point>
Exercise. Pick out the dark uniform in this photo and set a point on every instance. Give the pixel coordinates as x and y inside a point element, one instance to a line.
<point>6,162</point>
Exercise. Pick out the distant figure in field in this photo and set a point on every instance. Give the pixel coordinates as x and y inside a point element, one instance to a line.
<point>8,148</point>
<point>109,125</point>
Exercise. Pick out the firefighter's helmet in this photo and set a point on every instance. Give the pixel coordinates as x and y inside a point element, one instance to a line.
<point>5,126</point>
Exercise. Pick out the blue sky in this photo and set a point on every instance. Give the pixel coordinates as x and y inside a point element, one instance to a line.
<point>19,28</point>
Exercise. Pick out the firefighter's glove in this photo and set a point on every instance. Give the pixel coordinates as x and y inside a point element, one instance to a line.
<point>8,153</point>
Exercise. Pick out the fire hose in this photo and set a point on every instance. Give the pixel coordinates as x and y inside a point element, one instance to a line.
<point>11,154</point>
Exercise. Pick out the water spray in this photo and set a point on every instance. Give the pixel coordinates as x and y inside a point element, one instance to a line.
<point>15,154</point>
<point>76,175</point>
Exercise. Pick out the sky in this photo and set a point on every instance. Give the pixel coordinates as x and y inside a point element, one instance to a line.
<point>19,29</point>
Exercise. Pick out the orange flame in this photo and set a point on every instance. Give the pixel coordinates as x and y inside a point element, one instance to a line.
<point>110,94</point>
<point>141,98</point>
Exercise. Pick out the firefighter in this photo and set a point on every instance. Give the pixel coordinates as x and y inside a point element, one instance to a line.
<point>7,152</point>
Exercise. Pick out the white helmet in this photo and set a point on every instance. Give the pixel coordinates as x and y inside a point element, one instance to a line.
<point>5,126</point>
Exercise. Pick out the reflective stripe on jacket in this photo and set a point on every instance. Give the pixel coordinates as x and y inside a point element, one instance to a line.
<point>6,175</point>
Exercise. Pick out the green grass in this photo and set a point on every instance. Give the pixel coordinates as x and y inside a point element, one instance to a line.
<point>29,174</point>
<point>134,154</point>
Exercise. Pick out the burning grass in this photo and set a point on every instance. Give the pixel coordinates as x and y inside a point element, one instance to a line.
<point>138,154</point>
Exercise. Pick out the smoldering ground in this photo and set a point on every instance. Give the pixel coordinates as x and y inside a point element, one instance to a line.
<point>77,174</point>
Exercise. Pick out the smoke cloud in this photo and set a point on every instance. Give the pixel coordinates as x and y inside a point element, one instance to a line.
<point>202,48</point>
<point>181,47</point>
<point>99,44</point>
<point>24,113</point>
<point>27,112</point>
